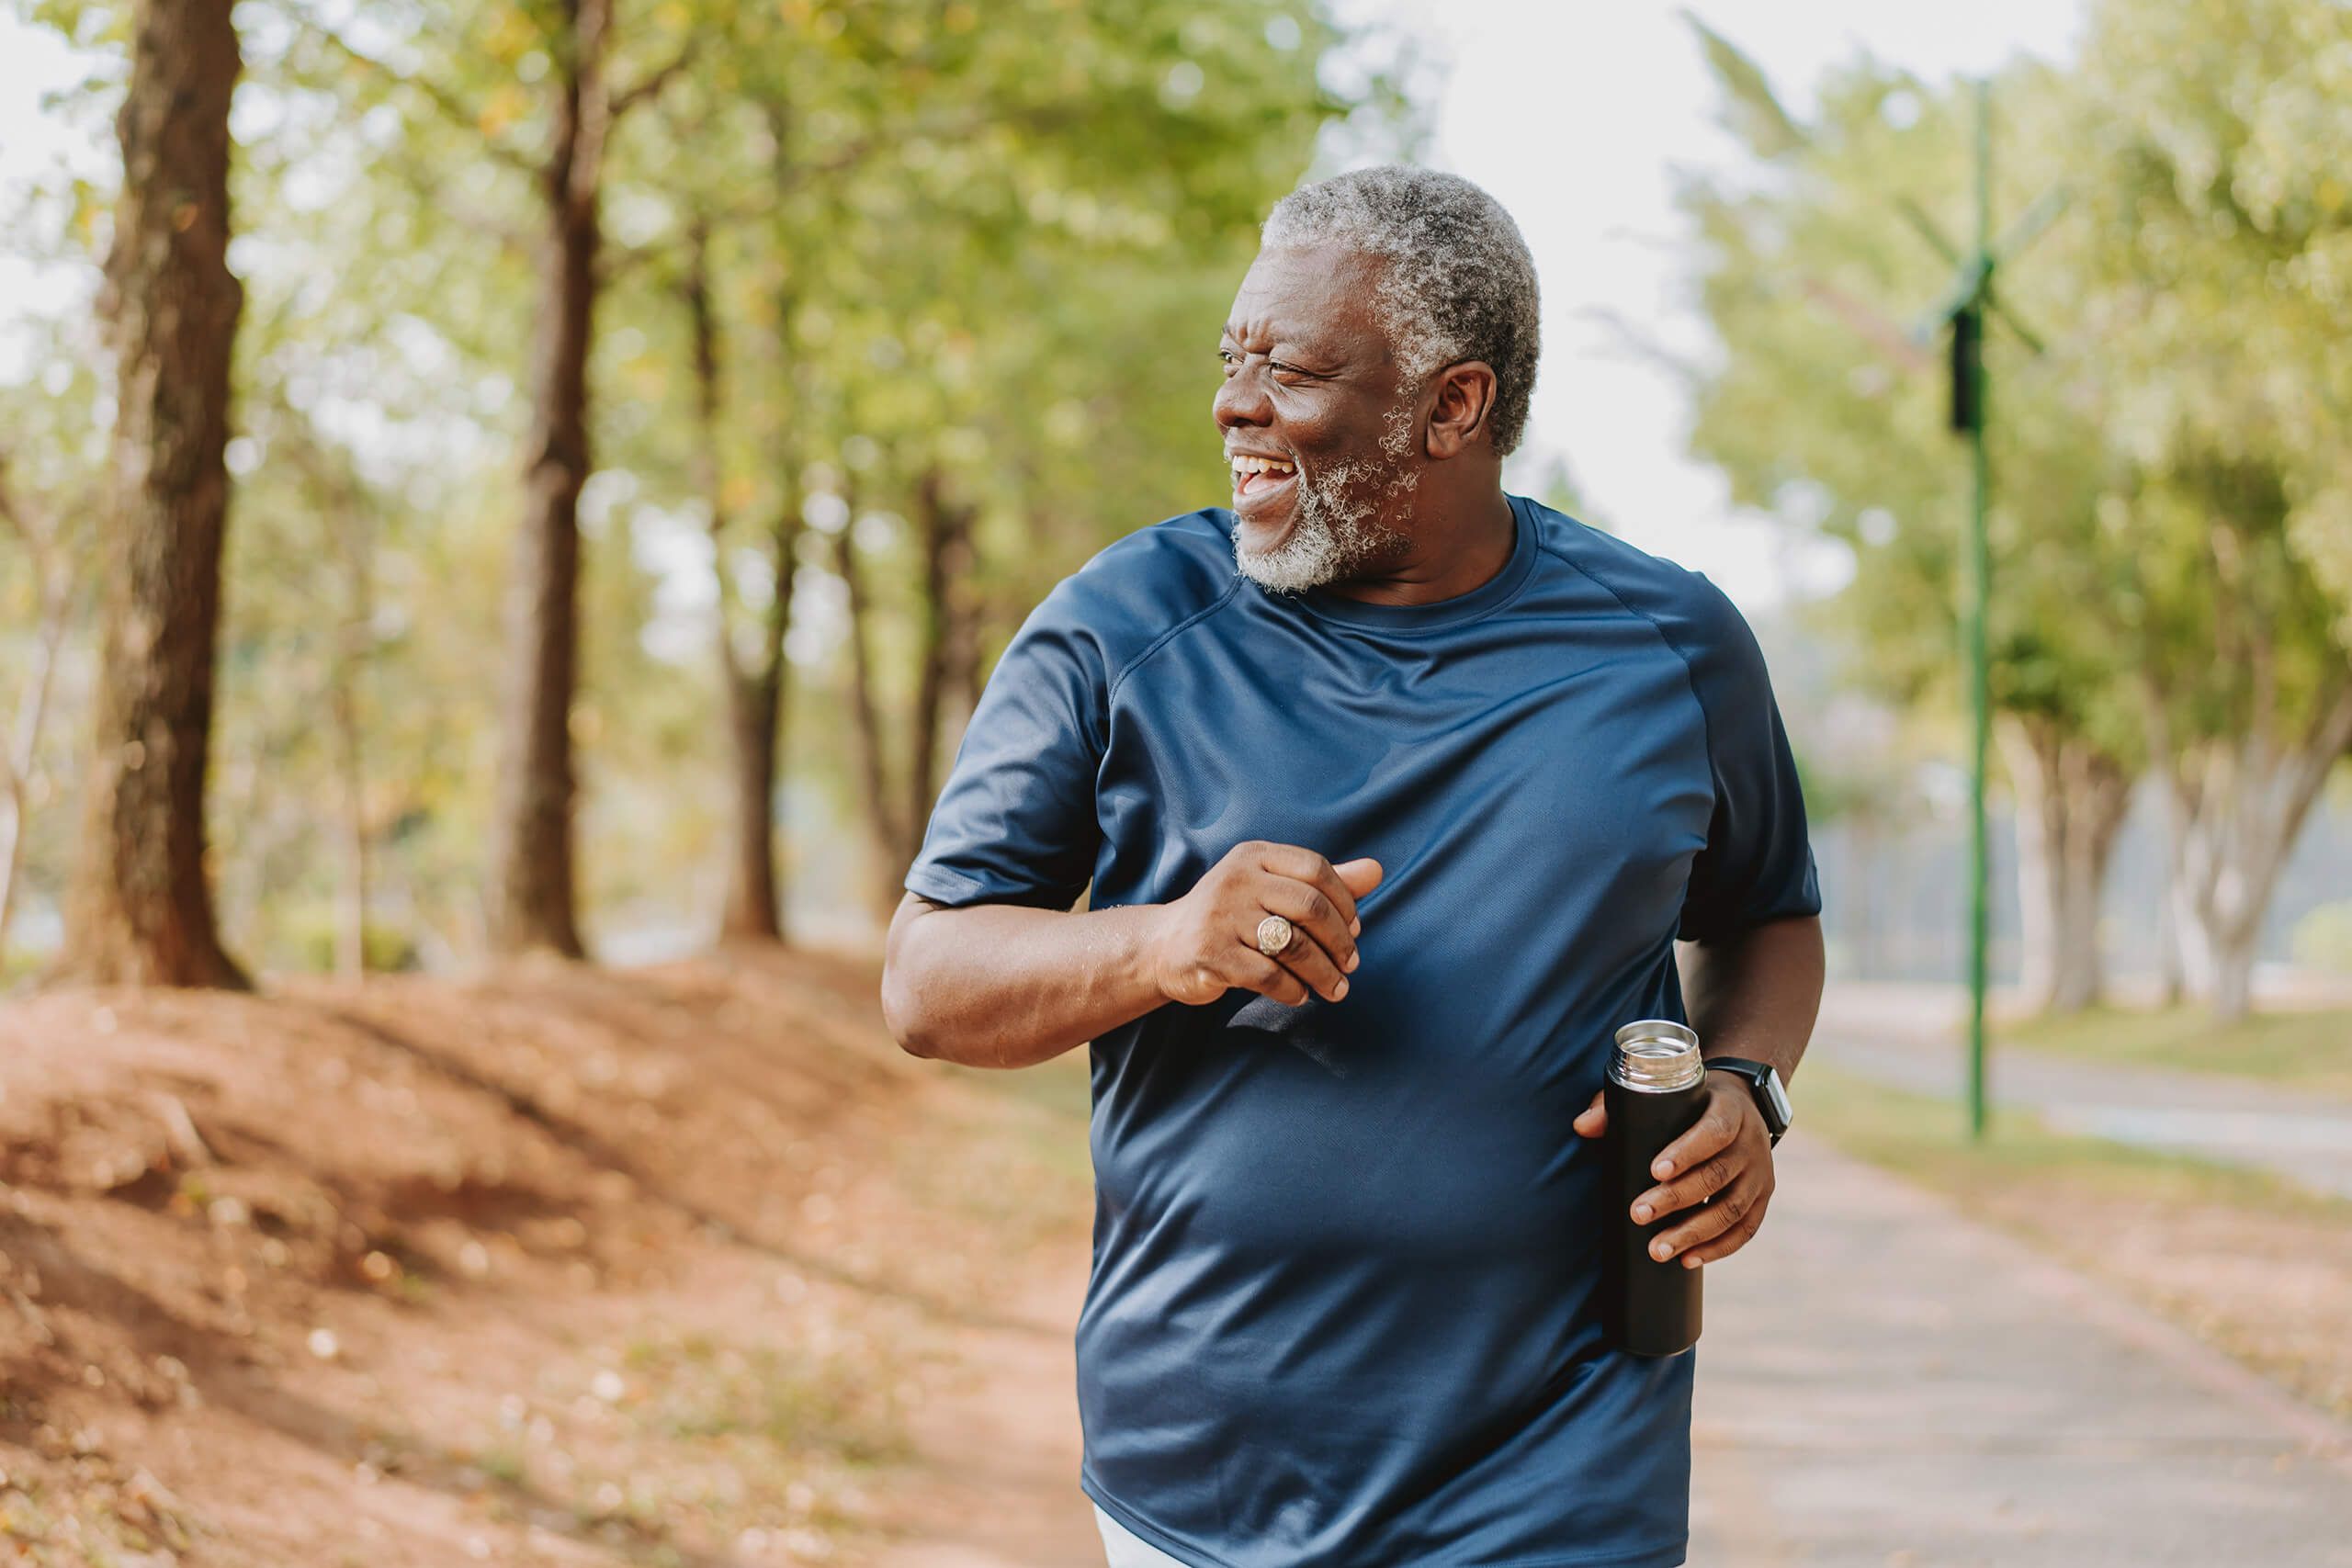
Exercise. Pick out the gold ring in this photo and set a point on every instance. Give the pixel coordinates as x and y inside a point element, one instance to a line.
<point>1273,935</point>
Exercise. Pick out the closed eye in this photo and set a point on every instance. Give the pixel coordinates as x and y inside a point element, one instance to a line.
<point>1231,358</point>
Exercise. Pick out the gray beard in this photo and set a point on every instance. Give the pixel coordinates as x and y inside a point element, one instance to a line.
<point>1337,533</point>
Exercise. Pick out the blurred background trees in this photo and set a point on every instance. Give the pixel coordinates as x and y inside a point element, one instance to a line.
<point>139,908</point>
<point>2170,508</point>
<point>647,419</point>
<point>608,370</point>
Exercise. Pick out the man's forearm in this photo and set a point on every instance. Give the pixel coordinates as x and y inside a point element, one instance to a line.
<point>1755,995</point>
<point>1000,986</point>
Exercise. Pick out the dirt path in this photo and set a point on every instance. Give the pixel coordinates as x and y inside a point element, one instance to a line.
<point>996,1482</point>
<point>679,1268</point>
<point>690,1268</point>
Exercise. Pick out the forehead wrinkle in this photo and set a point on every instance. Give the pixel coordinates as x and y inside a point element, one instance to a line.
<point>1312,298</point>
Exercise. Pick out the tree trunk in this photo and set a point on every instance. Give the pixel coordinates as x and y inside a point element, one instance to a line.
<point>530,899</point>
<point>2071,799</point>
<point>754,686</point>
<point>2172,980</point>
<point>2236,807</point>
<point>2029,750</point>
<point>968,619</point>
<point>53,586</point>
<point>2096,789</point>
<point>138,908</point>
<point>351,658</point>
<point>949,641</point>
<point>749,912</point>
<point>23,757</point>
<point>889,834</point>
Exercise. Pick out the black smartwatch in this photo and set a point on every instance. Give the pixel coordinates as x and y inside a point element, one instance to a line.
<point>1764,1083</point>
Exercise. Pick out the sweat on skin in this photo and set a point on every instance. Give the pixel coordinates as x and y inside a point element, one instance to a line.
<point>1513,782</point>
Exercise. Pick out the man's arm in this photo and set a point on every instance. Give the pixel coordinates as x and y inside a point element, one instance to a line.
<point>1757,995</point>
<point>1754,993</point>
<point>1000,986</point>
<point>1006,986</point>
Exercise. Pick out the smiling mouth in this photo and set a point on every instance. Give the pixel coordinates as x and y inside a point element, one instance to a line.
<point>1259,478</point>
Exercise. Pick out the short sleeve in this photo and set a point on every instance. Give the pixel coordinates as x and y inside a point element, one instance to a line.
<point>1757,865</point>
<point>1015,823</point>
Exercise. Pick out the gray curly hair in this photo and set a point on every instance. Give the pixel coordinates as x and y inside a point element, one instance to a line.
<point>1457,282</point>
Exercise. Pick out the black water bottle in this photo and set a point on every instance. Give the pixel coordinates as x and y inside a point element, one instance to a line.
<point>1656,1090</point>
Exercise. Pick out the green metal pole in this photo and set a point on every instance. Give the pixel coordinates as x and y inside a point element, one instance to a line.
<point>1979,576</point>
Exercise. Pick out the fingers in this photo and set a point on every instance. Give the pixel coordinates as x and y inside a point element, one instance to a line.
<point>1593,1119</point>
<point>1304,865</point>
<point>1695,1186</point>
<point>1317,923</point>
<point>1257,878</point>
<point>1306,959</point>
<point>1362,875</point>
<point>1254,970</point>
<point>1723,1228</point>
<point>1708,1136</point>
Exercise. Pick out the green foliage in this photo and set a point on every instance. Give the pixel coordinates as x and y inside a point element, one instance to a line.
<point>2216,269</point>
<point>2229,211</point>
<point>1751,110</point>
<point>2323,941</point>
<point>2169,506</point>
<point>982,245</point>
<point>1823,410</point>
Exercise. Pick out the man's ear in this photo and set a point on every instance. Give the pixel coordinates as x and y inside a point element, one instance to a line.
<point>1464,408</point>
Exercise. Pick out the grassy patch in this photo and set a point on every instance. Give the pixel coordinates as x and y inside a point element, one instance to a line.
<point>2246,1260</point>
<point>2294,1050</point>
<point>1926,1138</point>
<point>702,1390</point>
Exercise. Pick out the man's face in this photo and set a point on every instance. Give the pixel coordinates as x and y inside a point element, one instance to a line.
<point>1311,398</point>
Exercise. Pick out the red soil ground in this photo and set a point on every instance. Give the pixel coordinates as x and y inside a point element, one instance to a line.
<point>676,1265</point>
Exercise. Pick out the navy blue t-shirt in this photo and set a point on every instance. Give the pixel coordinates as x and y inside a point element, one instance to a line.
<point>1343,1307</point>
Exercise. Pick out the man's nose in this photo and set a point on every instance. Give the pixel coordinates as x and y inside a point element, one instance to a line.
<point>1241,399</point>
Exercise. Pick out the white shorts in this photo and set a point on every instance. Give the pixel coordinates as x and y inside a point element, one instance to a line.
<point>1122,1547</point>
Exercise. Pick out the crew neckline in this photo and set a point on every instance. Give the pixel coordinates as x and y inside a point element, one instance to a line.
<point>1326,604</point>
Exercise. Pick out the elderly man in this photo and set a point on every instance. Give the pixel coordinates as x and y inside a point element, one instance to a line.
<point>1396,794</point>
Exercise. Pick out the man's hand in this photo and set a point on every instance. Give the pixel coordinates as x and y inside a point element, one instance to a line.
<point>1206,942</point>
<point>1724,1159</point>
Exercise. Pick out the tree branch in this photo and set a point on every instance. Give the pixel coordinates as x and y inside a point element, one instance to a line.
<point>452,108</point>
<point>1890,340</point>
<point>1641,346</point>
<point>653,85</point>
<point>38,537</point>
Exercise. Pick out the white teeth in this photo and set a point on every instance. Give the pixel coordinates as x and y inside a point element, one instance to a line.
<point>1242,465</point>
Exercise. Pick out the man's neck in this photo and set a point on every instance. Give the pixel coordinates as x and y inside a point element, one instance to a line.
<point>1459,545</point>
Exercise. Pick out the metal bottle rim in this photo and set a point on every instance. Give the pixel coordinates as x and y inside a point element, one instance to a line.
<point>1657,1055</point>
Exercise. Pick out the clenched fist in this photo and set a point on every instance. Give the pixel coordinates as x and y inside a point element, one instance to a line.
<point>1206,942</point>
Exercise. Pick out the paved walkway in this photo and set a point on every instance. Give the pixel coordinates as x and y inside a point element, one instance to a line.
<point>1908,1037</point>
<point>1885,1384</point>
<point>1882,1384</point>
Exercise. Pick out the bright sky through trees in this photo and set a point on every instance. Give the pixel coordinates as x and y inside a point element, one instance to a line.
<point>1574,116</point>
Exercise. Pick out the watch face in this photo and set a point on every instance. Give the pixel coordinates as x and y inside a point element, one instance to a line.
<point>1765,1078</point>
